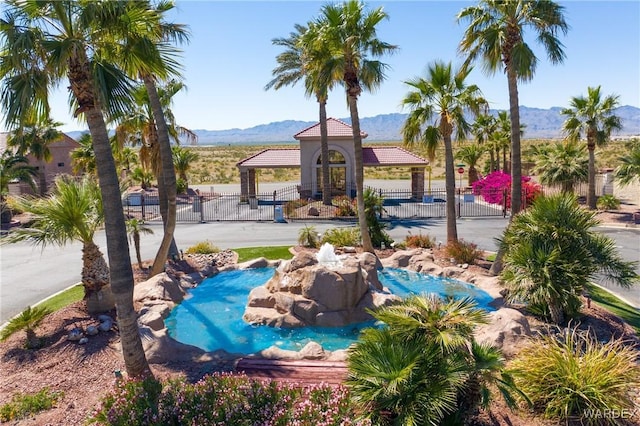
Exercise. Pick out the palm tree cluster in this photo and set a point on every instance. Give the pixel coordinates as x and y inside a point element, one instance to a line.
<point>102,48</point>
<point>339,47</point>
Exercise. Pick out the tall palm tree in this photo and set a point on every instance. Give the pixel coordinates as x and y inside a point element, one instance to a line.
<point>348,31</point>
<point>73,212</point>
<point>501,137</point>
<point>183,159</point>
<point>46,41</point>
<point>495,35</point>
<point>13,168</point>
<point>591,116</point>
<point>564,164</point>
<point>442,96</point>
<point>135,227</point>
<point>551,251</point>
<point>629,169</point>
<point>303,59</point>
<point>471,154</point>
<point>34,138</point>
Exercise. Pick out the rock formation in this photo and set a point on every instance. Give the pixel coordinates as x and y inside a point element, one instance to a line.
<point>304,292</point>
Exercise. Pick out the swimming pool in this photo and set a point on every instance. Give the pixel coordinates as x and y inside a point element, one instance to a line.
<point>211,315</point>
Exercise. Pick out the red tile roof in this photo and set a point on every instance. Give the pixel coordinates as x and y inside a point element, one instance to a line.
<point>371,156</point>
<point>288,157</point>
<point>390,156</point>
<point>335,128</point>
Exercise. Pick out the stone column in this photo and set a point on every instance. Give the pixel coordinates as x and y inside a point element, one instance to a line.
<point>417,183</point>
<point>244,185</point>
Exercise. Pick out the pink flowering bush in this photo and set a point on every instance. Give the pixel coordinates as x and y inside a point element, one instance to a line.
<point>225,399</point>
<point>495,188</point>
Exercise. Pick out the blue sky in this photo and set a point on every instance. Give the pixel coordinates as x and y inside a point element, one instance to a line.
<point>230,58</point>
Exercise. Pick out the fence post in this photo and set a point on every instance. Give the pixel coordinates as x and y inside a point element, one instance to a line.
<point>142,205</point>
<point>459,206</point>
<point>201,198</point>
<point>504,202</point>
<point>274,204</point>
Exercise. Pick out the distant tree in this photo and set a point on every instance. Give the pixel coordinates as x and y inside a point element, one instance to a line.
<point>629,169</point>
<point>183,159</point>
<point>471,154</point>
<point>135,227</point>
<point>13,168</point>
<point>564,164</point>
<point>592,116</point>
<point>83,159</point>
<point>483,128</point>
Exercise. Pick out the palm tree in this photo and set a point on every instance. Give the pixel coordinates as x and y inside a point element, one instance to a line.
<point>424,365</point>
<point>147,54</point>
<point>142,176</point>
<point>348,32</point>
<point>495,35</point>
<point>564,164</point>
<point>444,97</point>
<point>135,227</point>
<point>303,59</point>
<point>500,139</point>
<point>27,321</point>
<point>73,212</point>
<point>35,138</point>
<point>13,168</point>
<point>182,161</point>
<point>83,159</point>
<point>471,154</point>
<point>71,38</point>
<point>629,169</point>
<point>593,117</point>
<point>551,251</point>
<point>483,128</point>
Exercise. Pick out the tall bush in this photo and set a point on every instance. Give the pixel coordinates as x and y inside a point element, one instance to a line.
<point>495,188</point>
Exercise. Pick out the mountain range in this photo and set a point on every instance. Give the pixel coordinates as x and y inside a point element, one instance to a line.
<point>540,124</point>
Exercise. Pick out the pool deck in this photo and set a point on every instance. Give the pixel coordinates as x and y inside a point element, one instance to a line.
<point>304,372</point>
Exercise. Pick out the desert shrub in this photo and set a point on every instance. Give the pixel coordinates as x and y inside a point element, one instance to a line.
<point>24,405</point>
<point>341,237</point>
<point>203,247</point>
<point>290,207</point>
<point>224,399</point>
<point>420,241</point>
<point>308,237</point>
<point>344,206</point>
<point>608,202</point>
<point>574,376</point>
<point>462,251</point>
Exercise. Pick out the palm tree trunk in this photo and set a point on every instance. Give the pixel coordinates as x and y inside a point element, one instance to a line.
<point>367,245</point>
<point>516,160</point>
<point>136,244</point>
<point>591,187</point>
<point>81,83</point>
<point>450,181</point>
<point>324,148</point>
<point>95,279</point>
<point>168,176</point>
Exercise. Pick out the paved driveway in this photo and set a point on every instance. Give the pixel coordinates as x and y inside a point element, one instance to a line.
<point>28,274</point>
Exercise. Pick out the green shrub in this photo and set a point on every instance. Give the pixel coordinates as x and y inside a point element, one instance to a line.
<point>203,247</point>
<point>308,237</point>
<point>462,251</point>
<point>23,405</point>
<point>575,376</point>
<point>374,208</point>
<point>224,399</point>
<point>608,202</point>
<point>28,320</point>
<point>341,237</point>
<point>420,241</point>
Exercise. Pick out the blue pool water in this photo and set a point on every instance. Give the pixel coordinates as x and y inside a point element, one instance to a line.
<point>211,316</point>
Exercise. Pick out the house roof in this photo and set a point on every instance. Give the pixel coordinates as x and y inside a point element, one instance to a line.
<point>64,140</point>
<point>335,129</point>
<point>371,157</point>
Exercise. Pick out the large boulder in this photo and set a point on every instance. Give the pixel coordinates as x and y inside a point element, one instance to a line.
<point>159,287</point>
<point>507,330</point>
<point>303,292</point>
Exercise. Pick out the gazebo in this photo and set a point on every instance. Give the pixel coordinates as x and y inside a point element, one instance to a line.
<point>341,162</point>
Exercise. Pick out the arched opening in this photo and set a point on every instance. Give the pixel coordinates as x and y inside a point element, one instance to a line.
<point>337,173</point>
